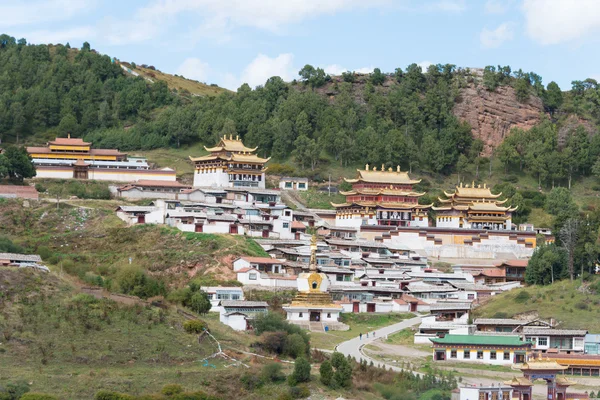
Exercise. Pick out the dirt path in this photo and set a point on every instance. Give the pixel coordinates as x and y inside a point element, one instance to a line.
<point>406,351</point>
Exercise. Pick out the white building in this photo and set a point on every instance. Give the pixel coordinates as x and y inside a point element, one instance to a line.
<point>238,315</point>
<point>218,293</point>
<point>253,277</point>
<point>230,164</point>
<point>133,215</point>
<point>561,340</point>
<point>292,183</point>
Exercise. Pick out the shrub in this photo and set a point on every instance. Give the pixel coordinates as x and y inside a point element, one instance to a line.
<point>108,395</point>
<point>134,281</point>
<point>272,322</point>
<point>251,381</point>
<point>581,305</point>
<point>280,169</point>
<point>200,303</point>
<point>343,374</point>
<point>337,359</point>
<point>326,372</point>
<point>40,188</point>
<point>301,370</point>
<point>274,342</point>
<point>14,390</point>
<point>194,326</point>
<point>510,178</point>
<point>295,346</point>
<point>37,396</point>
<point>299,392</point>
<point>44,252</point>
<point>172,389</point>
<point>522,297</point>
<point>272,373</point>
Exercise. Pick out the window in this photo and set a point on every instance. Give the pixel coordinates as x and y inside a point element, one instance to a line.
<point>287,213</point>
<point>542,341</point>
<point>235,296</point>
<point>471,296</point>
<point>480,355</point>
<point>301,185</point>
<point>300,315</point>
<point>328,315</point>
<point>339,278</point>
<point>286,225</point>
<point>452,353</point>
<point>493,355</point>
<point>252,277</point>
<point>288,184</point>
<point>223,296</point>
<point>506,355</point>
<point>467,354</point>
<point>578,342</point>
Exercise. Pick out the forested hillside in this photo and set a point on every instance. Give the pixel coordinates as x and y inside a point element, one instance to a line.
<point>441,121</point>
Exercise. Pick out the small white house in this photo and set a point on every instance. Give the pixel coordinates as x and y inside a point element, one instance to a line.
<point>253,277</point>
<point>133,215</point>
<point>264,264</point>
<point>293,183</point>
<point>216,294</point>
<point>239,314</point>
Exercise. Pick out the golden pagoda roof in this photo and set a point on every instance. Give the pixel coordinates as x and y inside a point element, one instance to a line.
<point>542,365</point>
<point>473,192</point>
<point>564,381</point>
<point>231,145</point>
<point>373,204</point>
<point>248,158</point>
<point>69,141</point>
<point>382,176</point>
<point>488,206</point>
<point>207,158</point>
<point>519,381</point>
<point>374,191</point>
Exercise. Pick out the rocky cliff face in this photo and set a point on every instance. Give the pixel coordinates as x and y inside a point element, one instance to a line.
<point>493,114</point>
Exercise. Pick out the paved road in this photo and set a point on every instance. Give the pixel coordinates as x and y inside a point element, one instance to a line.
<point>353,347</point>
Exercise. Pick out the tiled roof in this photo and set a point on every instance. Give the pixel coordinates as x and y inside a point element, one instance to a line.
<point>491,273</point>
<point>499,321</point>
<point>241,303</point>
<point>158,183</point>
<point>514,263</point>
<point>20,257</point>
<point>262,260</point>
<point>554,332</point>
<point>69,142</point>
<point>450,306</point>
<point>480,340</point>
<point>298,225</point>
<point>137,208</point>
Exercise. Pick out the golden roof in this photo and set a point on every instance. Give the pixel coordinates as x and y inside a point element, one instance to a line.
<point>231,144</point>
<point>542,365</point>
<point>373,204</point>
<point>564,381</point>
<point>519,381</point>
<point>473,192</point>
<point>488,206</point>
<point>207,158</point>
<point>390,192</point>
<point>390,176</point>
<point>248,158</point>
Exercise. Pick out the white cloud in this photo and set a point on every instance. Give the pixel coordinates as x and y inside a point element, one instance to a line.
<point>424,65</point>
<point>496,6</point>
<point>194,68</point>
<point>365,70</point>
<point>557,21</point>
<point>494,38</point>
<point>263,67</point>
<point>35,12</point>
<point>454,6</point>
<point>334,69</point>
<point>77,34</point>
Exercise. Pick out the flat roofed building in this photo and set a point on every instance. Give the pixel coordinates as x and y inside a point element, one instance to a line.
<point>384,197</point>
<point>293,183</point>
<point>497,350</point>
<point>230,164</point>
<point>72,158</point>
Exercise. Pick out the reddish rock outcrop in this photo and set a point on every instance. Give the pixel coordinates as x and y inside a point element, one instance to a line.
<point>493,114</point>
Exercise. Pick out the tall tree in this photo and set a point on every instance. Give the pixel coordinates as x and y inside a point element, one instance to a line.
<point>569,235</point>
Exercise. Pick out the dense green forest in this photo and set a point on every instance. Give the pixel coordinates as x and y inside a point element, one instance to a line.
<point>400,118</point>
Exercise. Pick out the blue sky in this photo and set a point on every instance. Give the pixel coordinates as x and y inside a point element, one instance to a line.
<point>230,42</point>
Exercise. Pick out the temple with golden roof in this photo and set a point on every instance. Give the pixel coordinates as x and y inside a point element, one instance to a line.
<point>384,197</point>
<point>473,207</point>
<point>313,307</point>
<point>230,164</point>
<point>68,158</point>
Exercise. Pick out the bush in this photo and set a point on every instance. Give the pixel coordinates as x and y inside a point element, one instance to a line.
<point>343,375</point>
<point>134,281</point>
<point>299,392</point>
<point>172,389</point>
<point>200,303</point>
<point>37,396</point>
<point>337,359</point>
<point>301,371</point>
<point>280,169</point>
<point>510,178</point>
<point>273,322</point>
<point>40,188</point>
<point>251,381</point>
<point>44,252</point>
<point>195,326</point>
<point>108,395</point>
<point>326,372</point>
<point>14,390</point>
<point>522,297</point>
<point>272,373</point>
<point>274,342</point>
<point>295,346</point>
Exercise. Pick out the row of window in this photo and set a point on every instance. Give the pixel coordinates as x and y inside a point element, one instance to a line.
<point>225,296</point>
<point>493,355</point>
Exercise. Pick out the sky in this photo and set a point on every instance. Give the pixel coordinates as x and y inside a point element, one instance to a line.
<point>230,42</point>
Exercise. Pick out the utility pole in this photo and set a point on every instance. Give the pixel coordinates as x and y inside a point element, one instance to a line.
<point>329,186</point>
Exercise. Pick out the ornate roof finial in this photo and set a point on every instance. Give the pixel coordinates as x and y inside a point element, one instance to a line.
<point>367,167</point>
<point>461,184</point>
<point>484,185</point>
<point>479,186</point>
<point>313,254</point>
<point>237,137</point>
<point>382,167</point>
<point>473,184</point>
<point>390,169</point>
<point>398,168</point>
<point>374,168</point>
<point>69,135</point>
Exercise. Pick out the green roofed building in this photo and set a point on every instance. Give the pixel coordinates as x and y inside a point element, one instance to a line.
<point>489,349</point>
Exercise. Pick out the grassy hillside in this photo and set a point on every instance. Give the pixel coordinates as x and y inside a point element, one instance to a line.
<point>177,82</point>
<point>572,304</point>
<point>86,239</point>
